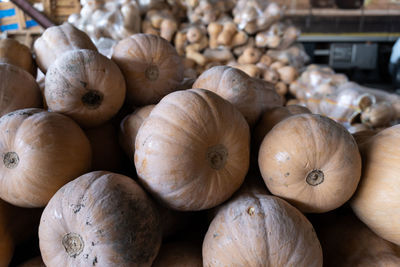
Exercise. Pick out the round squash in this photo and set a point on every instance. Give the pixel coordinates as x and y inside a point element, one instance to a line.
<point>100,219</point>
<point>57,40</point>
<point>260,230</point>
<point>192,152</point>
<point>18,89</point>
<point>249,95</point>
<point>151,67</point>
<point>41,151</point>
<point>179,254</point>
<point>85,86</point>
<point>17,54</point>
<point>129,128</point>
<point>35,262</point>
<point>311,161</point>
<point>377,198</point>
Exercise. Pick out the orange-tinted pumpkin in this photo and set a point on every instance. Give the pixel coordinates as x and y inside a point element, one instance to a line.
<point>17,54</point>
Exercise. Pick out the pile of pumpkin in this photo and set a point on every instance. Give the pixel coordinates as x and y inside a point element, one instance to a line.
<point>192,192</point>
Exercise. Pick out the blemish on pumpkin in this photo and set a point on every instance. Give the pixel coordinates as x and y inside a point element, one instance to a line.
<point>251,211</point>
<point>11,160</point>
<point>92,243</point>
<point>73,244</point>
<point>76,208</point>
<point>92,99</point>
<point>215,235</point>
<point>84,84</point>
<point>287,174</point>
<point>86,256</point>
<point>94,261</point>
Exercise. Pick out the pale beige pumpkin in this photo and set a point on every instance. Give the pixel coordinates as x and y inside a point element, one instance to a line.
<point>57,40</point>
<point>18,89</point>
<point>151,67</point>
<point>192,152</point>
<point>129,128</point>
<point>85,86</point>
<point>249,95</point>
<point>41,151</point>
<point>259,230</point>
<point>377,199</point>
<point>17,54</point>
<point>179,254</point>
<point>100,219</point>
<point>311,161</point>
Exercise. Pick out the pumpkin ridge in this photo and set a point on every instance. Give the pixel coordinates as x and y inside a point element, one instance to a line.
<point>211,106</point>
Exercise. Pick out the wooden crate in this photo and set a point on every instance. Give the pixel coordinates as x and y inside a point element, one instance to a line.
<point>60,10</point>
<point>13,19</point>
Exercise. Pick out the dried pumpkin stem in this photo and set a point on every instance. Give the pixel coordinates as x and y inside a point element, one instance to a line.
<point>73,244</point>
<point>216,156</point>
<point>11,160</point>
<point>92,99</point>
<point>315,177</point>
<point>152,73</point>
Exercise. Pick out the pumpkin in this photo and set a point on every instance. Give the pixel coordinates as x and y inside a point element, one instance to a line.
<point>41,151</point>
<point>363,136</point>
<point>192,152</point>
<point>378,114</point>
<point>18,89</point>
<point>249,95</point>
<point>311,161</point>
<point>35,262</point>
<point>129,128</point>
<point>377,198</point>
<point>260,230</point>
<point>100,219</point>
<point>179,254</point>
<point>17,54</point>
<point>85,86</point>
<point>151,67</point>
<point>57,40</point>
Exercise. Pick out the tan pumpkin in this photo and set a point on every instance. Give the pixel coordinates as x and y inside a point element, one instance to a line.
<point>363,136</point>
<point>151,67</point>
<point>260,230</point>
<point>17,54</point>
<point>377,198</point>
<point>57,40</point>
<point>378,114</point>
<point>100,219</point>
<point>41,151</point>
<point>179,254</point>
<point>192,152</point>
<point>85,86</point>
<point>129,128</point>
<point>35,262</point>
<point>249,95</point>
<point>18,89</point>
<point>311,161</point>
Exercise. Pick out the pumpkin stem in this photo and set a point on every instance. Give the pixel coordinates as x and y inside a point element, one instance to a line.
<point>315,177</point>
<point>11,160</point>
<point>73,244</point>
<point>216,156</point>
<point>92,99</point>
<point>152,73</point>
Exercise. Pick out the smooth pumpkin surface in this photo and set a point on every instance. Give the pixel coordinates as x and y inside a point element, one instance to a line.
<point>18,89</point>
<point>17,54</point>
<point>260,230</point>
<point>129,128</point>
<point>151,67</point>
<point>85,86</point>
<point>35,262</point>
<point>192,152</point>
<point>100,219</point>
<point>57,40</point>
<point>41,151</point>
<point>377,199</point>
<point>311,161</point>
<point>249,95</point>
<point>179,254</point>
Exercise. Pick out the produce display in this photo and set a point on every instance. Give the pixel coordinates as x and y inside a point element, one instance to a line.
<point>190,133</point>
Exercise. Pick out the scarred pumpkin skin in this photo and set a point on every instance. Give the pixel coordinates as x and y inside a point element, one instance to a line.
<point>260,230</point>
<point>17,54</point>
<point>85,86</point>
<point>57,40</point>
<point>192,152</point>
<point>18,89</point>
<point>41,151</point>
<point>179,254</point>
<point>250,96</point>
<point>100,219</point>
<point>129,128</point>
<point>311,161</point>
<point>151,66</point>
<point>377,198</point>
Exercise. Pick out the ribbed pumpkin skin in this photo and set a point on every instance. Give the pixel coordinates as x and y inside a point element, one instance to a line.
<point>192,152</point>
<point>41,151</point>
<point>17,54</point>
<point>250,96</point>
<point>18,89</point>
<point>151,67</point>
<point>85,86</point>
<point>179,254</point>
<point>57,40</point>
<point>310,161</point>
<point>112,219</point>
<point>260,230</point>
<point>376,201</point>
